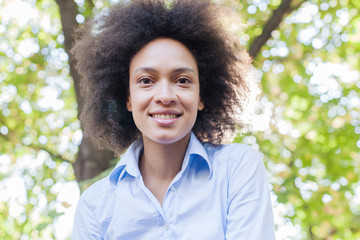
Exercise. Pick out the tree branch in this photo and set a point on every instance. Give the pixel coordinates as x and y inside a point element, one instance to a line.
<point>38,148</point>
<point>91,3</point>
<point>297,6</point>
<point>53,155</point>
<point>273,23</point>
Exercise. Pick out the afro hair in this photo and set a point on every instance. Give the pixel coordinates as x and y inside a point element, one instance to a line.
<point>106,44</point>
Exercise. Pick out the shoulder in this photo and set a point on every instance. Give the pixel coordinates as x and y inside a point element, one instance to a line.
<point>232,153</point>
<point>94,211</point>
<point>235,160</point>
<point>98,192</point>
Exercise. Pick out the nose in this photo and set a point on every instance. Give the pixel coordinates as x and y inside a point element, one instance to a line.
<point>165,93</point>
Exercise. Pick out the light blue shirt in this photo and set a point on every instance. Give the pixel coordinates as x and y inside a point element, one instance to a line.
<point>221,192</point>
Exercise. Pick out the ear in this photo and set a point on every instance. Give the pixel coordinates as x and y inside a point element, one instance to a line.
<point>201,106</point>
<point>128,103</point>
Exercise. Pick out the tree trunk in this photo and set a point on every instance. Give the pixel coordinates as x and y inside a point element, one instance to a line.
<point>90,160</point>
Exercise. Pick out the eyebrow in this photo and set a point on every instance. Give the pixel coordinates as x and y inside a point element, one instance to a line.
<point>183,69</point>
<point>145,69</point>
<point>178,70</point>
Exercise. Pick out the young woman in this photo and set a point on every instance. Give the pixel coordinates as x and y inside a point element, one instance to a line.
<point>169,81</point>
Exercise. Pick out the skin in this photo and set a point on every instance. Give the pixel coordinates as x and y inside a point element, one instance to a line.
<point>164,100</point>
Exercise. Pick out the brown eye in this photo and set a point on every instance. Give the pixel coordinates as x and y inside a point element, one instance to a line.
<point>145,81</point>
<point>183,80</point>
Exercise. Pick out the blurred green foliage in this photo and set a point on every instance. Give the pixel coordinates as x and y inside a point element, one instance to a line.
<point>310,77</point>
<point>39,130</point>
<point>307,125</point>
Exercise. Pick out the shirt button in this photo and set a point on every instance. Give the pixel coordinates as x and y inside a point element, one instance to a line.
<point>172,188</point>
<point>166,227</point>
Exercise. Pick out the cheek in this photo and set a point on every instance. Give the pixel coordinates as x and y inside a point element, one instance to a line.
<point>139,101</point>
<point>191,104</point>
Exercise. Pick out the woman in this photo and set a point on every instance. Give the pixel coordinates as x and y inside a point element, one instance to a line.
<point>169,81</point>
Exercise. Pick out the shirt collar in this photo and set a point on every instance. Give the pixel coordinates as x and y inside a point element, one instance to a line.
<point>129,163</point>
<point>196,152</point>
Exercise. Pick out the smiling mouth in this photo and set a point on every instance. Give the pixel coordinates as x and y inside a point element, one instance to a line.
<point>165,116</point>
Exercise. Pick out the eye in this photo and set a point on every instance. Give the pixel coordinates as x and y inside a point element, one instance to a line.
<point>183,80</point>
<point>145,81</point>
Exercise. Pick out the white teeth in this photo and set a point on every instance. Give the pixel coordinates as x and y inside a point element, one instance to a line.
<point>164,116</point>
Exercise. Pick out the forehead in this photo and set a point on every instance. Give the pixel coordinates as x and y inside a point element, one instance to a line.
<point>163,53</point>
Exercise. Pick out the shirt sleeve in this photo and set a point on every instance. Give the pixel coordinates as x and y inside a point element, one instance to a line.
<point>249,213</point>
<point>85,226</point>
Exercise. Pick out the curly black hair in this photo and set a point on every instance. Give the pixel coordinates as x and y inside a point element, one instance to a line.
<point>107,43</point>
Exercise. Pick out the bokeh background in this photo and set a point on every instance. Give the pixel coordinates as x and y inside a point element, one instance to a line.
<point>307,127</point>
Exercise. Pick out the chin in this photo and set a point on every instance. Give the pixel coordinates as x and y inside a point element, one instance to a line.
<point>168,138</point>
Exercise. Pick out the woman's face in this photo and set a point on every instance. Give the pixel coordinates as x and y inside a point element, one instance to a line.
<point>164,91</point>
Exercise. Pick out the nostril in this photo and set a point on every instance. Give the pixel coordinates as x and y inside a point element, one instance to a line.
<point>165,100</point>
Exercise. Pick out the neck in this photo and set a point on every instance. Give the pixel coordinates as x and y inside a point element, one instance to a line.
<point>163,161</point>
